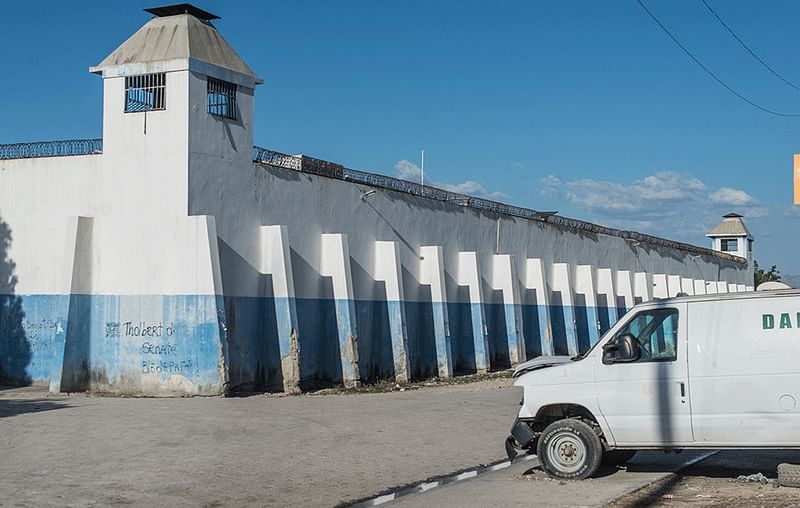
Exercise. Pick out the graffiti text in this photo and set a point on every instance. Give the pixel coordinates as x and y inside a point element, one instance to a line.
<point>143,329</point>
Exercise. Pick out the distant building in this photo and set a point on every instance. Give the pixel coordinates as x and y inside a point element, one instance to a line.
<point>732,237</point>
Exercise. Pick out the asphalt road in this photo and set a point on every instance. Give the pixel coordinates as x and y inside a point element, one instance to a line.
<point>525,485</point>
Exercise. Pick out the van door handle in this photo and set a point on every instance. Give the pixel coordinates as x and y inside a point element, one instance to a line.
<point>683,389</point>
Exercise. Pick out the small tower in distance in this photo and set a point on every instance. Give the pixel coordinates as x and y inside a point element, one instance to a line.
<point>732,236</point>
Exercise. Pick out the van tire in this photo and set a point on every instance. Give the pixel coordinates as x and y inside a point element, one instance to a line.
<point>617,457</point>
<point>789,475</point>
<point>569,450</point>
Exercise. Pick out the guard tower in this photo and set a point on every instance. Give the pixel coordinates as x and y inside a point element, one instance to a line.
<point>176,96</point>
<point>733,237</point>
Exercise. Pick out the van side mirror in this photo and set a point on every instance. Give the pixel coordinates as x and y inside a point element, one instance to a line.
<point>623,349</point>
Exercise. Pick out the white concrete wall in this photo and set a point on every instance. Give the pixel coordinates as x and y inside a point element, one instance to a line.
<point>311,206</point>
<point>36,197</point>
<point>145,155</point>
<point>283,197</point>
<point>137,257</point>
<point>328,293</point>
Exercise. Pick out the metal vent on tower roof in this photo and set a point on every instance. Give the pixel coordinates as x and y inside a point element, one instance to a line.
<point>176,9</point>
<point>178,37</point>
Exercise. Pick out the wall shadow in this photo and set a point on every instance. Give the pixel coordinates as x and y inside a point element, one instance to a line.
<point>375,356</point>
<point>621,308</point>
<point>603,314</point>
<point>558,324</point>
<point>328,354</point>
<point>582,323</point>
<point>731,464</point>
<point>531,323</point>
<point>462,338</point>
<point>14,407</point>
<point>75,376</point>
<point>269,371</point>
<point>421,336</point>
<point>391,226</point>
<point>15,350</point>
<point>252,331</point>
<point>499,355</point>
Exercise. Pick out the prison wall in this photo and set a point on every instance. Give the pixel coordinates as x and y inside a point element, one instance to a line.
<point>329,281</point>
<point>106,284</point>
<point>161,260</point>
<point>271,278</point>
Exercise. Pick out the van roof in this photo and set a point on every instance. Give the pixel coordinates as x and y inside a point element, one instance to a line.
<point>745,295</point>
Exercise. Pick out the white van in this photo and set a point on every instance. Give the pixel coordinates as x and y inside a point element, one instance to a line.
<point>715,371</point>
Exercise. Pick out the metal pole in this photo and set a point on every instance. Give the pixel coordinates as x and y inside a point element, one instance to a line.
<point>497,240</point>
<point>422,167</point>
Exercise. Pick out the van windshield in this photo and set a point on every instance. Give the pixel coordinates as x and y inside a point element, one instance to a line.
<point>656,330</point>
<point>657,333</point>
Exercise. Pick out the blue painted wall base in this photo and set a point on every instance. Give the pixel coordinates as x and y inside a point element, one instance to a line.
<point>138,345</point>
<point>189,345</point>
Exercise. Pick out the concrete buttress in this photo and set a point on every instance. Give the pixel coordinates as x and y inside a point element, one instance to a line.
<point>469,275</point>
<point>431,273</point>
<point>536,280</point>
<point>504,278</point>
<point>660,288</point>
<point>643,285</point>
<point>277,262</point>
<point>560,284</point>
<point>388,270</point>
<point>624,292</point>
<point>335,263</point>
<point>585,290</point>
<point>605,287</point>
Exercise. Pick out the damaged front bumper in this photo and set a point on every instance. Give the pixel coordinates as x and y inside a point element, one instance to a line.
<point>521,438</point>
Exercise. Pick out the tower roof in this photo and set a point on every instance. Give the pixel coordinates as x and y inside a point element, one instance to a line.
<point>179,32</point>
<point>731,225</point>
<point>172,10</point>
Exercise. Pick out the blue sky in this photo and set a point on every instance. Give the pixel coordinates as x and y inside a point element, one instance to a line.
<point>582,107</point>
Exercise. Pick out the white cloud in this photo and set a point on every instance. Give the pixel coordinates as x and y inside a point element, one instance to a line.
<point>409,171</point>
<point>551,187</point>
<point>600,195</point>
<point>468,187</point>
<point>666,203</point>
<point>732,197</point>
<point>551,181</point>
<point>754,212</point>
<point>792,212</point>
<point>656,195</point>
<point>667,185</point>
<point>471,188</point>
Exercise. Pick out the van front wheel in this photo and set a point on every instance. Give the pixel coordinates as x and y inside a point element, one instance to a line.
<point>569,449</point>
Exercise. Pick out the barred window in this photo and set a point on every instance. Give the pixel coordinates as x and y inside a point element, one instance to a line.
<point>145,93</point>
<point>222,98</point>
<point>730,245</point>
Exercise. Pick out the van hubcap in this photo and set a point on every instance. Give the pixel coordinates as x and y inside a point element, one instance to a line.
<point>567,452</point>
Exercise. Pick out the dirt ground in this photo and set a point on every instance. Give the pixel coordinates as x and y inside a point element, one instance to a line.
<point>714,483</point>
<point>324,450</point>
<point>308,450</point>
